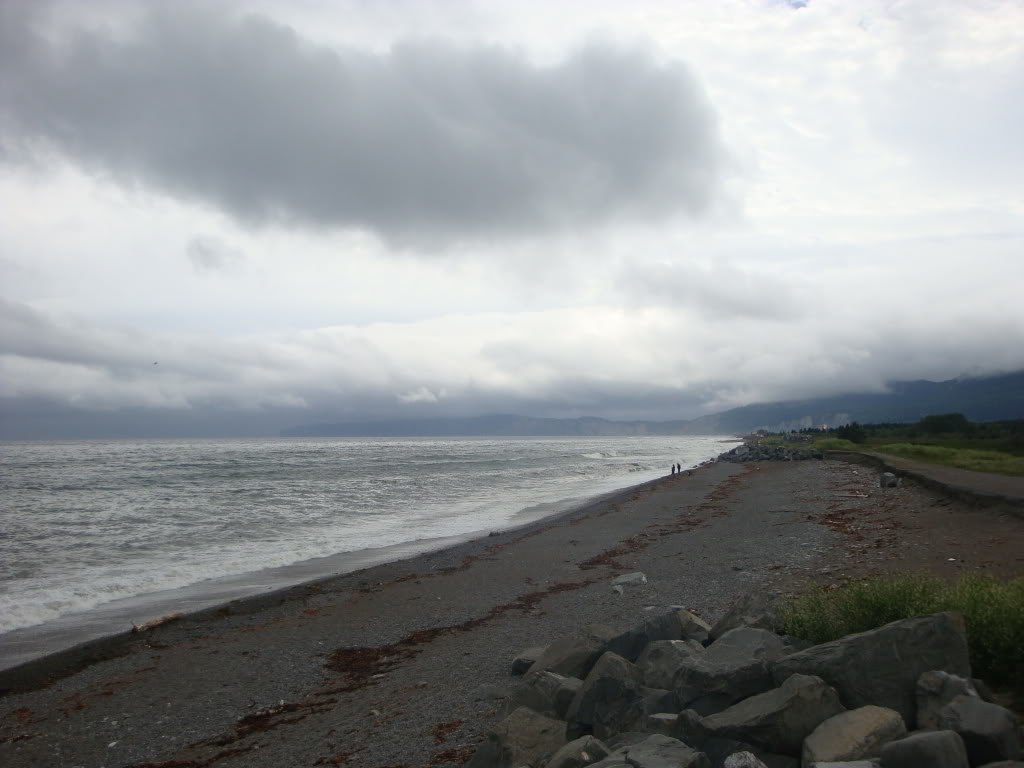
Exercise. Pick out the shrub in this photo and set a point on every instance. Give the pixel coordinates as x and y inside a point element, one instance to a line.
<point>993,611</point>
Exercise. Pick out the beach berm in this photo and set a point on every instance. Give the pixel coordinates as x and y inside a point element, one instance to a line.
<point>408,664</point>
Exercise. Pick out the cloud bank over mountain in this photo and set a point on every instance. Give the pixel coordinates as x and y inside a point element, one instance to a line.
<point>230,219</point>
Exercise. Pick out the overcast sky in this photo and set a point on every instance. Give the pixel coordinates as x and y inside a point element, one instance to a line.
<point>232,217</point>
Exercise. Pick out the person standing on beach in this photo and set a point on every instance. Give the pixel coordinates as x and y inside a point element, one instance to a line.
<point>673,469</point>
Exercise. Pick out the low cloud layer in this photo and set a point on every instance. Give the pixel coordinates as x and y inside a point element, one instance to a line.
<point>654,363</point>
<point>218,217</point>
<point>423,143</point>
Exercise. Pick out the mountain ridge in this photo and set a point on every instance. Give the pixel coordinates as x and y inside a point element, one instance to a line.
<point>988,398</point>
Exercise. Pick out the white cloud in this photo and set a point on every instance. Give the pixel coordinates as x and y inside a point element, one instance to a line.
<point>874,156</point>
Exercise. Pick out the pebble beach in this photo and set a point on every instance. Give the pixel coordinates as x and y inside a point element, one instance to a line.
<point>404,664</point>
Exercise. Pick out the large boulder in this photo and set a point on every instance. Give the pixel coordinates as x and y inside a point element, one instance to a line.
<point>610,699</point>
<point>743,759</point>
<point>754,609</point>
<point>631,643</point>
<point>934,749</point>
<point>882,666</point>
<point>777,721</point>
<point>656,751</point>
<point>661,659</point>
<point>935,690</point>
<point>737,665</point>
<point>990,732</point>
<point>854,735</point>
<point>545,692</point>
<point>523,738</point>
<point>719,750</point>
<point>694,627</point>
<point>574,655</point>
<point>526,658</point>
<point>579,753</point>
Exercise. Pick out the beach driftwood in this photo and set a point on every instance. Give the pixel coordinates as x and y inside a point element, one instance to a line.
<point>148,625</point>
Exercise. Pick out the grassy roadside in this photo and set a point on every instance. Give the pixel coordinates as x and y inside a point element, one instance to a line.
<point>993,611</point>
<point>962,458</point>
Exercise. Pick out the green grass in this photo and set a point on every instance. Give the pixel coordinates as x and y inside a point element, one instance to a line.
<point>835,444</point>
<point>962,458</point>
<point>993,611</point>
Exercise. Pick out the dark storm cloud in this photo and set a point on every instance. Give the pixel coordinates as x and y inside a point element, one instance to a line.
<point>425,141</point>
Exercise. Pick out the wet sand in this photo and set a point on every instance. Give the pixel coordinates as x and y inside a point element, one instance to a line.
<point>399,664</point>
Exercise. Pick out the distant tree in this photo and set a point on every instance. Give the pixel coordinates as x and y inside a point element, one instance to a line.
<point>944,423</point>
<point>853,432</point>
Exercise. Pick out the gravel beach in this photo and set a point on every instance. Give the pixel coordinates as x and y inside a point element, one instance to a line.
<point>401,664</point>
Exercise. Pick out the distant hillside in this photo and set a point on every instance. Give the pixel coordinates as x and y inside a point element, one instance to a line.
<point>982,399</point>
<point>499,425</point>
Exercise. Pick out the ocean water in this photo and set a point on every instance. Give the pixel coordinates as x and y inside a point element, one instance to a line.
<point>84,524</point>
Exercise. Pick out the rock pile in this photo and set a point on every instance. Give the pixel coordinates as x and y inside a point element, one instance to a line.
<point>741,454</point>
<point>674,692</point>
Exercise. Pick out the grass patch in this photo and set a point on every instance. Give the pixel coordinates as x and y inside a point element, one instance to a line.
<point>962,458</point>
<point>992,609</point>
<point>835,444</point>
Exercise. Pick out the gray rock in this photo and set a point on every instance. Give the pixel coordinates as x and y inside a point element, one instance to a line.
<point>610,699</point>
<point>743,760</point>
<point>693,626</point>
<point>754,610</point>
<point>689,728</point>
<point>629,579</point>
<point>778,720</point>
<point>490,692</point>
<point>661,722</point>
<point>579,753</point>
<point>719,750</point>
<point>737,665</point>
<point>793,644</point>
<point>522,738</point>
<point>1004,764</point>
<point>934,690</point>
<point>888,480</point>
<point>521,664</point>
<point>926,749</point>
<point>658,700</point>
<point>854,735</point>
<point>882,666</point>
<point>545,692</point>
<point>656,751</point>
<point>661,659</point>
<point>626,739</point>
<point>990,732</point>
<point>573,656</point>
<point>631,643</point>
<point>983,691</point>
<point>846,764</point>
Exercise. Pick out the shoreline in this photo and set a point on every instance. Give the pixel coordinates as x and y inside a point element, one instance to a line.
<point>406,663</point>
<point>155,586</point>
<point>36,667</point>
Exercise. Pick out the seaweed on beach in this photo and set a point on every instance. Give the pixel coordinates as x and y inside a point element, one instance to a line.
<point>636,543</point>
<point>443,730</point>
<point>363,666</point>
